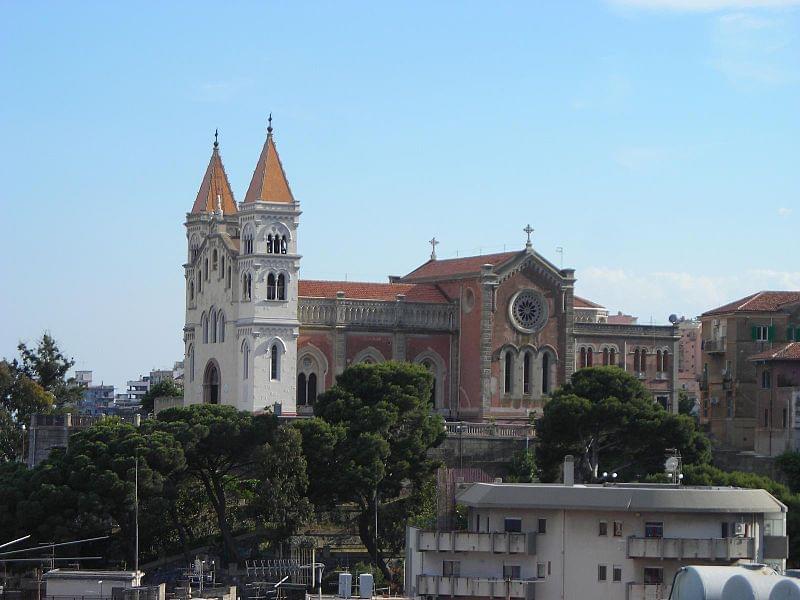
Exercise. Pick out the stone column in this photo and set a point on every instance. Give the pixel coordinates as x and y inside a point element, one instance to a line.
<point>488,285</point>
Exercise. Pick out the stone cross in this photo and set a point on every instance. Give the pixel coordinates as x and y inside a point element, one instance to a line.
<point>434,242</point>
<point>529,230</point>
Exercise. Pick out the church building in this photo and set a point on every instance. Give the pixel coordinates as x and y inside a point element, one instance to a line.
<point>499,332</point>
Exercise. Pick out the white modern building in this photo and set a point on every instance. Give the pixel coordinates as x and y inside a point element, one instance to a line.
<point>613,541</point>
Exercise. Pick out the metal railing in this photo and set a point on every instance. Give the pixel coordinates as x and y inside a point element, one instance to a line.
<point>488,430</point>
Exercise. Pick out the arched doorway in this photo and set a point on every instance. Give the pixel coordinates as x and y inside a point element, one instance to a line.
<point>211,384</point>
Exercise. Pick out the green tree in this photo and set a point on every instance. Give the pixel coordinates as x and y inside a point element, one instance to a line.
<point>686,405</point>
<point>48,366</point>
<point>522,467</point>
<point>235,456</point>
<point>368,446</point>
<point>167,388</point>
<point>605,415</point>
<point>20,397</point>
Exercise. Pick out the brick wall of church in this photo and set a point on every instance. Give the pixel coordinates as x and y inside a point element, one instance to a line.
<point>323,341</point>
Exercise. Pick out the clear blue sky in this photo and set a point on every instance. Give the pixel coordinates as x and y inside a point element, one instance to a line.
<point>656,141</point>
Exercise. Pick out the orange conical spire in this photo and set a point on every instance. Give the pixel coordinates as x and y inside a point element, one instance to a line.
<point>215,186</point>
<point>269,181</point>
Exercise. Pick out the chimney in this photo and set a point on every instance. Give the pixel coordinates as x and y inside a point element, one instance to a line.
<point>569,470</point>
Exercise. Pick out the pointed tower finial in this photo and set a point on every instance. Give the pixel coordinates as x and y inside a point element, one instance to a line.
<point>269,125</point>
<point>216,138</point>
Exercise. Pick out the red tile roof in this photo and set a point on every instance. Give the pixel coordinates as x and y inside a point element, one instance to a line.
<point>579,302</point>
<point>269,182</point>
<point>788,351</point>
<point>215,184</point>
<point>758,302</point>
<point>453,267</point>
<point>414,292</point>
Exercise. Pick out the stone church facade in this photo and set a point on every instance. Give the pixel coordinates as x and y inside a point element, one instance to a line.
<point>499,332</point>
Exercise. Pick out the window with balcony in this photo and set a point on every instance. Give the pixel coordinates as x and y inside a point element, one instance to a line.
<point>653,575</point>
<point>654,529</point>
<point>602,572</point>
<point>512,525</point>
<point>512,572</point>
<point>451,568</point>
<point>603,528</point>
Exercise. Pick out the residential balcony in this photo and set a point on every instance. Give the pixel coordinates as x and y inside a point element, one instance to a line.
<point>715,346</point>
<point>723,549</point>
<point>436,585</point>
<point>648,591</point>
<point>467,541</point>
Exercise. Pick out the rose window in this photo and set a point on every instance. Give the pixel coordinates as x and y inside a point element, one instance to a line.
<point>528,310</point>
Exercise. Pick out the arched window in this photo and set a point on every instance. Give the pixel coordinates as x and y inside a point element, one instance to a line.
<point>526,373</point>
<point>200,281</point>
<point>247,287</point>
<point>204,320</point>
<point>213,326</point>
<point>637,363</point>
<point>612,357</point>
<point>269,244</point>
<point>214,259</point>
<point>312,388</point>
<point>191,291</point>
<point>431,367</point>
<point>228,282</point>
<point>605,357</point>
<point>643,360</point>
<point>191,363</point>
<point>589,357</point>
<point>665,362</point>
<point>508,378</point>
<point>281,287</point>
<point>545,373</point>
<point>221,326</point>
<point>302,389</point>
<point>206,264</point>
<point>248,241</point>
<point>245,360</point>
<point>222,263</point>
<point>211,384</point>
<point>659,361</point>
<point>274,364</point>
<point>270,287</point>
<point>583,358</point>
<point>283,244</point>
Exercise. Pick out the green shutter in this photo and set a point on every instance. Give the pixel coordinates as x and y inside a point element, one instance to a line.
<point>754,333</point>
<point>771,333</point>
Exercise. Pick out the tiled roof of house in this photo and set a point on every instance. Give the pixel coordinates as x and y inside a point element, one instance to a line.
<point>579,302</point>
<point>215,183</point>
<point>414,292</point>
<point>269,182</point>
<point>758,302</point>
<point>787,351</point>
<point>453,267</point>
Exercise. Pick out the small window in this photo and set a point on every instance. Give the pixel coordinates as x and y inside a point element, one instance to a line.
<point>601,572</point>
<point>508,374</point>
<point>603,529</point>
<point>541,526</point>
<point>616,573</point>
<point>274,365</point>
<point>526,373</point>
<point>589,359</point>
<point>541,570</point>
<point>761,333</point>
<point>451,568</point>
<point>214,260</point>
<point>281,287</point>
<point>617,528</point>
<point>271,287</point>
<point>653,575</point>
<point>654,529</point>
<point>766,379</point>
<point>612,358</point>
<point>511,572</point>
<point>513,525</point>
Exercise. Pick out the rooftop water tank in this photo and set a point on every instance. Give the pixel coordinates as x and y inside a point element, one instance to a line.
<point>750,586</point>
<point>707,583</point>
<point>786,589</point>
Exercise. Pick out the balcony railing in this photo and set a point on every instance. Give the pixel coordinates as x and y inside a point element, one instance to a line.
<point>723,549</point>
<point>467,541</point>
<point>648,591</point>
<point>436,585</point>
<point>487,430</point>
<point>715,346</point>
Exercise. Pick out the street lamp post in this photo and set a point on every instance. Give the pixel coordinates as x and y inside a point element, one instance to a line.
<point>101,587</point>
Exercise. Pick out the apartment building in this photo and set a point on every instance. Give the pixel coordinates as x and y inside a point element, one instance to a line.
<point>621,541</point>
<point>778,399</point>
<point>732,335</point>
<point>690,357</point>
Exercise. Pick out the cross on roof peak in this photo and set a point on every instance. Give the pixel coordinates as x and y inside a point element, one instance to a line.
<point>528,230</point>
<point>434,242</point>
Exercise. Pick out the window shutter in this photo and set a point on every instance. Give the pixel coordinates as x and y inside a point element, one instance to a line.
<point>771,333</point>
<point>754,332</point>
<point>789,332</point>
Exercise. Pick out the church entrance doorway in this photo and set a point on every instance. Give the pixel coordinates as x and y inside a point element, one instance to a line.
<point>211,384</point>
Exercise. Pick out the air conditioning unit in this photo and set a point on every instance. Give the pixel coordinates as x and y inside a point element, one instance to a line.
<point>345,585</point>
<point>739,529</point>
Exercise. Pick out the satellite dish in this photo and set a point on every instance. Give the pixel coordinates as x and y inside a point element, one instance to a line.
<point>673,318</point>
<point>672,464</point>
